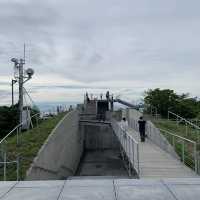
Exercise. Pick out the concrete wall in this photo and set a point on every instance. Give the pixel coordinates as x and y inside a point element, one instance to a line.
<point>60,155</point>
<point>99,137</point>
<point>152,132</point>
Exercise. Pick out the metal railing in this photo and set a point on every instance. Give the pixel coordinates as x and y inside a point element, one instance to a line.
<point>7,159</point>
<point>183,119</point>
<point>129,148</point>
<point>190,128</point>
<point>185,148</point>
<point>182,148</point>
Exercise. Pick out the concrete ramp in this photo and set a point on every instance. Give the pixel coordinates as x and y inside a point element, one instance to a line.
<point>157,163</point>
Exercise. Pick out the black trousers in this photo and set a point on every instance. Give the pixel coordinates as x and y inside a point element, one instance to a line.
<point>142,136</point>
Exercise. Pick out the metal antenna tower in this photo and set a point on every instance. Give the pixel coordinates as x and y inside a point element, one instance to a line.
<point>21,77</point>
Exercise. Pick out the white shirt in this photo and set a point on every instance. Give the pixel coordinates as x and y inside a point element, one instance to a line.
<point>124,125</point>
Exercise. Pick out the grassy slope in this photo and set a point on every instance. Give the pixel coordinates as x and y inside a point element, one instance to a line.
<point>178,129</point>
<point>30,143</point>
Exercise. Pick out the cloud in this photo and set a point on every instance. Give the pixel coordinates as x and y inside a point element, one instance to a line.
<point>88,45</point>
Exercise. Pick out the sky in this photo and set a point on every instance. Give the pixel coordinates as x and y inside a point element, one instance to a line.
<point>76,46</point>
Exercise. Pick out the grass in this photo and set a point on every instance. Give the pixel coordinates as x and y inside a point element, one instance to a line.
<point>30,143</point>
<point>181,130</point>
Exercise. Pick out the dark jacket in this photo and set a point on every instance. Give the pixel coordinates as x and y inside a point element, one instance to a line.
<point>142,123</point>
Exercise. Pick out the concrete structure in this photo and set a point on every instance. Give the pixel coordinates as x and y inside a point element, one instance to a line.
<point>157,157</point>
<point>85,153</point>
<point>89,147</point>
<point>60,155</point>
<point>157,163</point>
<point>78,148</point>
<point>108,189</point>
<point>153,133</point>
<point>101,156</point>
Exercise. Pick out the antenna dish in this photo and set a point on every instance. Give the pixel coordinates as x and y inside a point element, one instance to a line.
<point>14,60</point>
<point>30,72</point>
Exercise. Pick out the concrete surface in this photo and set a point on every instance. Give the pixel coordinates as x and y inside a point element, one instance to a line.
<point>101,151</point>
<point>157,163</point>
<point>102,163</point>
<point>99,136</point>
<point>108,189</point>
<point>60,155</point>
<point>153,133</point>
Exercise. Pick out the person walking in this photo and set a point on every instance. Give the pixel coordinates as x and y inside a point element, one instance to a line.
<point>142,124</point>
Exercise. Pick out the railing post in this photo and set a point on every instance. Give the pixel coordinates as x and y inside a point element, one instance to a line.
<point>173,141</point>
<point>17,168</point>
<point>197,133</point>
<point>186,129</point>
<point>133,154</point>
<point>138,162</point>
<point>195,157</point>
<point>183,151</point>
<point>4,168</point>
<point>129,155</point>
<point>17,136</point>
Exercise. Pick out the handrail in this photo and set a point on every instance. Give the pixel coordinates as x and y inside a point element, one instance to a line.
<point>129,148</point>
<point>178,136</point>
<point>187,156</point>
<point>132,138</point>
<point>192,124</point>
<point>16,127</point>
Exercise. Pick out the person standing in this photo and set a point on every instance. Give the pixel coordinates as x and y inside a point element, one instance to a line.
<point>107,95</point>
<point>124,124</point>
<point>142,124</point>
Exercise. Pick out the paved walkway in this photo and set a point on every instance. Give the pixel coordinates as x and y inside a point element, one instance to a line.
<point>107,189</point>
<point>156,163</point>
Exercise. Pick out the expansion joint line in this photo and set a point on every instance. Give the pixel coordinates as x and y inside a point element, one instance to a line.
<point>170,191</point>
<point>114,190</point>
<point>61,190</point>
<point>1,197</point>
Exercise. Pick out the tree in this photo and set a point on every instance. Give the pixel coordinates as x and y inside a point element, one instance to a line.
<point>9,118</point>
<point>164,100</point>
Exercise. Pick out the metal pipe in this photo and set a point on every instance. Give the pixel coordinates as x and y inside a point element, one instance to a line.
<point>183,151</point>
<point>4,169</point>
<point>138,160</point>
<point>17,168</point>
<point>17,136</point>
<point>173,141</point>
<point>195,158</point>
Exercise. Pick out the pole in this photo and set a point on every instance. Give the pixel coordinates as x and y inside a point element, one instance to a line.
<point>12,93</point>
<point>4,170</point>
<point>13,82</point>
<point>21,77</point>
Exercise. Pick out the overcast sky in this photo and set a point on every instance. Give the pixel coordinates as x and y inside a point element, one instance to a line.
<point>126,46</point>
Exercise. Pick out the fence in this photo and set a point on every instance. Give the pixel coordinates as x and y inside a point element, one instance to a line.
<point>129,148</point>
<point>185,148</point>
<point>8,160</point>
<point>154,134</point>
<point>192,130</point>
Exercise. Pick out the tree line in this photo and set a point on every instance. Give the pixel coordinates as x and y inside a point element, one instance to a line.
<point>9,118</point>
<point>168,100</point>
